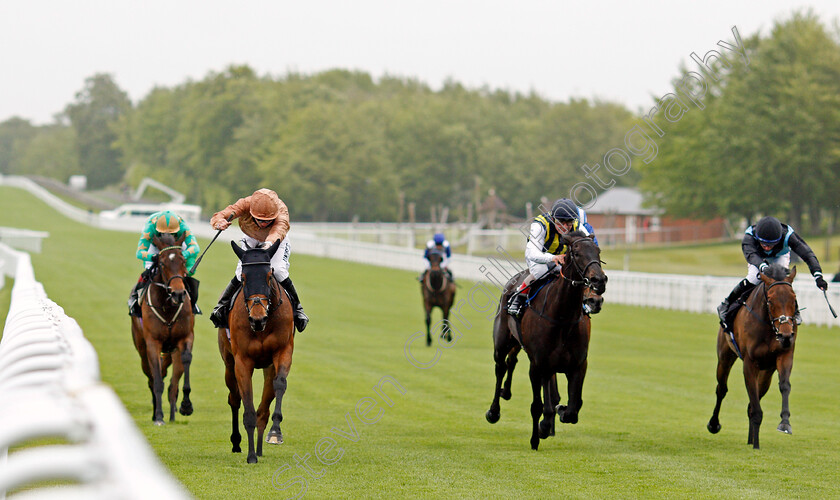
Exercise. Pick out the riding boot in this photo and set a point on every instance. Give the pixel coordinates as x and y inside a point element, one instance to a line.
<point>191,284</point>
<point>742,287</point>
<point>220,312</point>
<point>797,316</point>
<point>133,299</point>
<point>518,298</point>
<point>449,274</point>
<point>301,319</point>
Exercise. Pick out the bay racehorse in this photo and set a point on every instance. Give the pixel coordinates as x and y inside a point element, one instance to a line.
<point>261,336</point>
<point>438,291</point>
<point>763,336</point>
<point>163,335</point>
<point>554,332</point>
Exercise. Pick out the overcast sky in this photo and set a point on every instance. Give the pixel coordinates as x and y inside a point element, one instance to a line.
<point>624,51</point>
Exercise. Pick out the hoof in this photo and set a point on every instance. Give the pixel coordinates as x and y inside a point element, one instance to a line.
<point>159,422</point>
<point>714,427</point>
<point>566,416</point>
<point>252,458</point>
<point>186,409</point>
<point>428,341</point>
<point>783,427</point>
<point>492,417</point>
<point>545,429</point>
<point>505,394</point>
<point>236,449</point>
<point>274,438</point>
<point>535,444</point>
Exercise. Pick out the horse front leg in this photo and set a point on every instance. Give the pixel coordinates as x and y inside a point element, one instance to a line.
<point>446,331</point>
<point>495,411</point>
<point>244,369</point>
<point>754,412</point>
<point>153,356</point>
<point>186,408</point>
<point>265,405</point>
<point>282,363</point>
<point>536,405</point>
<point>234,401</point>
<point>428,309</point>
<point>726,358</point>
<point>574,384</point>
<point>784,365</point>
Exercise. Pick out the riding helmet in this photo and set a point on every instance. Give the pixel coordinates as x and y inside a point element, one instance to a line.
<point>265,204</point>
<point>564,209</point>
<point>167,222</point>
<point>769,230</point>
<point>438,238</point>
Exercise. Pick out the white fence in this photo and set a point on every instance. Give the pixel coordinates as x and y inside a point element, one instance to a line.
<point>50,388</point>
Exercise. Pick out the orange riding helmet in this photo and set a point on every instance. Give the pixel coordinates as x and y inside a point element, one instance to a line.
<point>265,204</point>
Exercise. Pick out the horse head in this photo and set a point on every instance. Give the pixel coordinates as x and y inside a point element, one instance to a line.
<point>781,302</point>
<point>256,281</point>
<point>172,267</point>
<point>435,272</point>
<point>583,263</point>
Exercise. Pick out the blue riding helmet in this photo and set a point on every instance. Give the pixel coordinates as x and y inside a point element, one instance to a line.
<point>438,238</point>
<point>769,230</point>
<point>564,209</point>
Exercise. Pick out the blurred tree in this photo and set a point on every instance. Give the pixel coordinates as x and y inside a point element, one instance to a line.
<point>15,135</point>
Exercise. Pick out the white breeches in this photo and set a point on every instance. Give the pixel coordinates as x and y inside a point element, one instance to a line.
<point>279,263</point>
<point>537,270</point>
<point>752,271</point>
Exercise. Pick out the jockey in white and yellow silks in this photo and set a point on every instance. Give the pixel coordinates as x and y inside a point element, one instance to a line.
<point>157,224</point>
<point>544,249</point>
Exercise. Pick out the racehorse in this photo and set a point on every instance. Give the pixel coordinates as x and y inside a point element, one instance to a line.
<point>261,336</point>
<point>554,333</point>
<point>163,335</point>
<point>438,291</point>
<point>764,334</point>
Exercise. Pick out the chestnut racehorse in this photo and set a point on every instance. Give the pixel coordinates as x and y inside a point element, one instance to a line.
<point>555,334</point>
<point>261,336</point>
<point>764,334</point>
<point>163,335</point>
<point>438,291</point>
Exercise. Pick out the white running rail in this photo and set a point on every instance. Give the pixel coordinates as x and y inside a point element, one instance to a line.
<point>50,388</point>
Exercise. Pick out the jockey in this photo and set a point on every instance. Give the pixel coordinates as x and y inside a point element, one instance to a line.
<point>157,224</point>
<point>770,242</point>
<point>264,219</point>
<point>544,251</point>
<point>440,244</point>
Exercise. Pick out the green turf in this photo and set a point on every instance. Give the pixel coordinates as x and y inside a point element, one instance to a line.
<point>648,394</point>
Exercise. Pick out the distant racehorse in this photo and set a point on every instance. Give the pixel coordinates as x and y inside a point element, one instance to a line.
<point>438,291</point>
<point>261,336</point>
<point>163,335</point>
<point>555,334</point>
<point>764,334</point>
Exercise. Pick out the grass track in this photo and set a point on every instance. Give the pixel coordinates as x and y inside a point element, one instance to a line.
<point>647,397</point>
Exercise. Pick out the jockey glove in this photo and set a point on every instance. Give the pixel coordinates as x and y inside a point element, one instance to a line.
<point>821,283</point>
<point>763,266</point>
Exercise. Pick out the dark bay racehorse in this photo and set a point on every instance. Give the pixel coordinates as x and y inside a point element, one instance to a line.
<point>555,335</point>
<point>163,335</point>
<point>261,336</point>
<point>764,333</point>
<point>438,291</point>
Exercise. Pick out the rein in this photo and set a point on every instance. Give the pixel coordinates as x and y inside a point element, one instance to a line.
<point>581,271</point>
<point>771,320</point>
<point>168,290</point>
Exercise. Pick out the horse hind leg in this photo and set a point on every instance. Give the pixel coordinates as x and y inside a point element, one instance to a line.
<point>177,371</point>
<point>536,407</point>
<point>510,363</point>
<point>186,408</point>
<point>726,358</point>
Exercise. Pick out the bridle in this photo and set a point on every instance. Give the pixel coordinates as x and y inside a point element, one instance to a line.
<point>581,271</point>
<point>444,279</point>
<point>778,319</point>
<point>167,289</point>
<point>250,302</point>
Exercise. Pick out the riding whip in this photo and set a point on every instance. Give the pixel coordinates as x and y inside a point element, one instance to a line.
<point>192,269</point>
<point>829,304</point>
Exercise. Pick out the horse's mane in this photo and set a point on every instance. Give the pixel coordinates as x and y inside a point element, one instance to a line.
<point>776,272</point>
<point>577,233</point>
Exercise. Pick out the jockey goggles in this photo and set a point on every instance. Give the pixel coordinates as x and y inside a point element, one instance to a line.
<point>264,222</point>
<point>768,242</point>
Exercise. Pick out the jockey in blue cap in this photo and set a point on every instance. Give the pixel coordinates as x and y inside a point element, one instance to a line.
<point>544,250</point>
<point>439,244</point>
<point>765,243</point>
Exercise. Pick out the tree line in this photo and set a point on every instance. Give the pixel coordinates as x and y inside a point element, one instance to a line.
<point>339,144</point>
